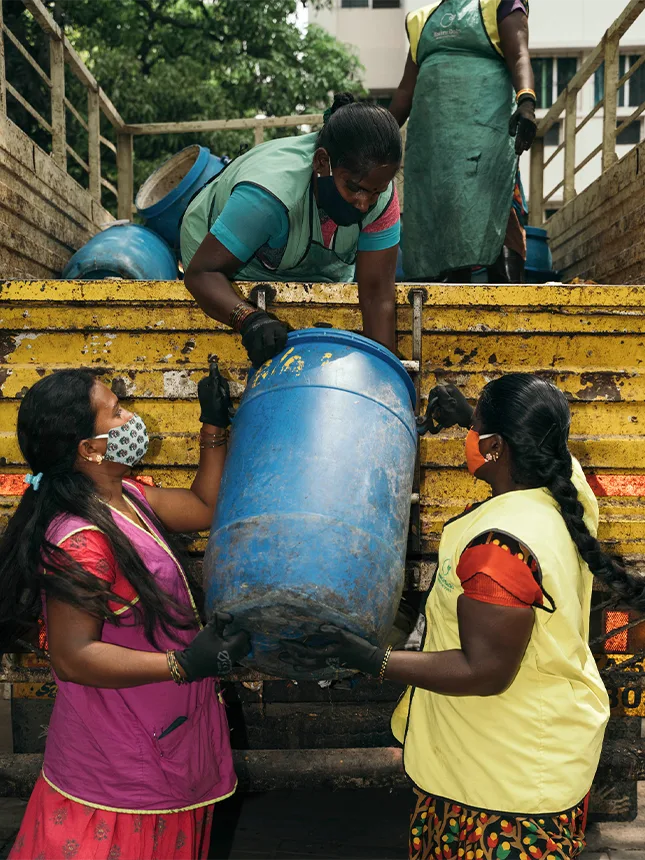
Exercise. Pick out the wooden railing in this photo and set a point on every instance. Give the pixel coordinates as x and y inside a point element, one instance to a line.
<point>62,55</point>
<point>607,52</point>
<point>256,124</point>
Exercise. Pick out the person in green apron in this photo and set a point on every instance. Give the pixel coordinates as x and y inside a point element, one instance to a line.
<point>317,207</point>
<point>464,138</point>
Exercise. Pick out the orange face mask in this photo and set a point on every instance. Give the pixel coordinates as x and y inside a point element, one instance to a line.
<point>474,457</point>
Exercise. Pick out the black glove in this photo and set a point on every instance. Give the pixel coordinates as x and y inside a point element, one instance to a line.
<point>213,651</point>
<point>263,337</point>
<point>447,406</point>
<point>215,399</point>
<point>523,126</point>
<point>404,624</point>
<point>344,650</point>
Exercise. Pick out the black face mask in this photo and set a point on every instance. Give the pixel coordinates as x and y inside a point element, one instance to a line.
<point>334,204</point>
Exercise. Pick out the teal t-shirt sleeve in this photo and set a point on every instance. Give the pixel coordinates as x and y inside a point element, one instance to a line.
<point>250,219</point>
<point>380,240</point>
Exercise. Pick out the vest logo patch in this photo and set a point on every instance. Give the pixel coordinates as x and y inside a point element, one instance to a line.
<point>443,575</point>
<point>447,30</point>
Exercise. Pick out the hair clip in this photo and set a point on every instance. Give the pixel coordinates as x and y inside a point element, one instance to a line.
<point>34,481</point>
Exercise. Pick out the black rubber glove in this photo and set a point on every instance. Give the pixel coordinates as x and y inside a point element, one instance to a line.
<point>215,399</point>
<point>344,650</point>
<point>263,337</point>
<point>213,651</point>
<point>447,406</point>
<point>523,126</point>
<point>404,624</point>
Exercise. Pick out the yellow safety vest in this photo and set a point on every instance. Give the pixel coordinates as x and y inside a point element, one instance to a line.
<point>534,749</point>
<point>416,21</point>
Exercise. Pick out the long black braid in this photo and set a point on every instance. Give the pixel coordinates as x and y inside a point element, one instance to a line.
<point>533,417</point>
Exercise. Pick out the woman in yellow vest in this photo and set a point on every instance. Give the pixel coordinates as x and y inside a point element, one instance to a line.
<point>504,716</point>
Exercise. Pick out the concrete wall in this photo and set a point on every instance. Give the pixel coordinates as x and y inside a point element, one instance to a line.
<point>377,36</point>
<point>45,215</point>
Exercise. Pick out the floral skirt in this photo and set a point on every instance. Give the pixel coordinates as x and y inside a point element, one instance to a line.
<point>446,830</point>
<point>55,828</point>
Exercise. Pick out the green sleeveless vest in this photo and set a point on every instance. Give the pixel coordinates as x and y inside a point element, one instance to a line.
<point>460,161</point>
<point>284,168</point>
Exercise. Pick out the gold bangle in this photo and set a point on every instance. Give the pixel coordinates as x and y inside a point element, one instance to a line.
<point>526,92</point>
<point>175,671</point>
<point>386,657</point>
<point>239,313</point>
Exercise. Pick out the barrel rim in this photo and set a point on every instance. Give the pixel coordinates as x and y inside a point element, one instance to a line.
<point>196,169</point>
<point>360,342</point>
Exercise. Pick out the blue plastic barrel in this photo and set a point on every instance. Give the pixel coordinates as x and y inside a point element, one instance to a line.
<point>539,262</point>
<point>165,195</point>
<point>312,519</point>
<point>123,250</point>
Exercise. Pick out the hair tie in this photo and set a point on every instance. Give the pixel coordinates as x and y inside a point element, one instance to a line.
<point>34,481</point>
<point>326,116</point>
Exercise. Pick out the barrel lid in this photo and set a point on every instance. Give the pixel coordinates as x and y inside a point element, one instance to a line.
<point>356,341</point>
<point>537,232</point>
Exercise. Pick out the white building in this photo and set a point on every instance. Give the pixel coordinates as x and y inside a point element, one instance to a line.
<point>562,33</point>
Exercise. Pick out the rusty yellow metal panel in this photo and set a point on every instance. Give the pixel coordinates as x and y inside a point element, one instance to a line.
<point>151,344</point>
<point>47,690</point>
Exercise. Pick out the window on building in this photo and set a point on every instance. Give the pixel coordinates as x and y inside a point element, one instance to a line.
<point>552,137</point>
<point>386,4</point>
<point>599,84</point>
<point>354,4</point>
<point>552,74</point>
<point>631,135</point>
<point>543,71</point>
<point>632,93</point>
<point>549,213</point>
<point>566,69</point>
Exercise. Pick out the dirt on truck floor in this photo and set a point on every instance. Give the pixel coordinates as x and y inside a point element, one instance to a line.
<point>336,825</point>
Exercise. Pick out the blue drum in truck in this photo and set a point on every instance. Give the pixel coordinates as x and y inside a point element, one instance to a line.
<point>312,519</point>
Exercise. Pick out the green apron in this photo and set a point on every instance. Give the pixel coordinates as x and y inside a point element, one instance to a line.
<point>284,168</point>
<point>460,162</point>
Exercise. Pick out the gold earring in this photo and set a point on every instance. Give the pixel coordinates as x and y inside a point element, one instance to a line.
<point>99,459</point>
<point>491,458</point>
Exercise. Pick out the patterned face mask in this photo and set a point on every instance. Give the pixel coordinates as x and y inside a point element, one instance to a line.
<point>128,443</point>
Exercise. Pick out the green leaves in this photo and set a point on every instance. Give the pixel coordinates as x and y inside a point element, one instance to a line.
<point>173,60</point>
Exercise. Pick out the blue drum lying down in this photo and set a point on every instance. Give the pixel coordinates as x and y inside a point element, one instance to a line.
<point>312,519</point>
<point>123,250</point>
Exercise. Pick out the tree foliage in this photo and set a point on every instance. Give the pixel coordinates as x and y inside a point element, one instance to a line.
<point>173,60</point>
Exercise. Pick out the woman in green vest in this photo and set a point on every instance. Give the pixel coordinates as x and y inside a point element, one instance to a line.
<point>504,716</point>
<point>465,58</point>
<point>320,207</point>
